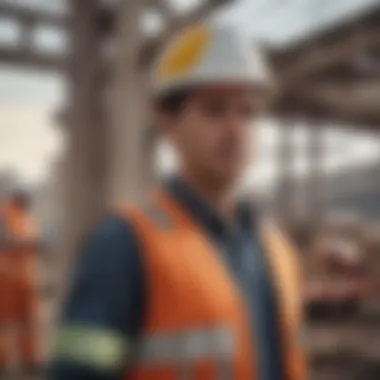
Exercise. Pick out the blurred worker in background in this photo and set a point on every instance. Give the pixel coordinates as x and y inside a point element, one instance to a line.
<point>189,286</point>
<point>19,244</point>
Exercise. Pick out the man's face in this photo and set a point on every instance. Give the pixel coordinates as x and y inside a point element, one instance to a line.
<point>213,133</point>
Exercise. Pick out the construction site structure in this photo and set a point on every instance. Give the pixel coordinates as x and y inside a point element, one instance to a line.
<point>329,76</point>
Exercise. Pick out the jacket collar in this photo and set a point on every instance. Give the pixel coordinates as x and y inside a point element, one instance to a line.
<point>208,218</point>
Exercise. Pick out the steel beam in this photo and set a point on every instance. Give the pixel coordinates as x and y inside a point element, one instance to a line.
<point>26,14</point>
<point>31,59</point>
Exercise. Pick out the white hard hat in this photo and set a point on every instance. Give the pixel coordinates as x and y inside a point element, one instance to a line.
<point>208,54</point>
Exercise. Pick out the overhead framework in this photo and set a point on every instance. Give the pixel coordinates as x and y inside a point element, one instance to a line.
<point>335,74</point>
<point>332,75</point>
<point>24,51</point>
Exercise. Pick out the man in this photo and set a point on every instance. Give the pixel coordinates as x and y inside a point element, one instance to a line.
<point>18,304</point>
<point>186,287</point>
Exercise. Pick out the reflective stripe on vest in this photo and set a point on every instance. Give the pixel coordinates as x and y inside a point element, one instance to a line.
<point>184,349</point>
<point>190,346</point>
<point>91,346</point>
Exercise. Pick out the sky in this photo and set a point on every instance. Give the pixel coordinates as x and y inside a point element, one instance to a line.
<point>30,140</point>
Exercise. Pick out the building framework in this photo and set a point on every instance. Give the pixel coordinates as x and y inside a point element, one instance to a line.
<point>332,76</point>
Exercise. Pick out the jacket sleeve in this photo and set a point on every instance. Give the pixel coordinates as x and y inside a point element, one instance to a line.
<point>103,313</point>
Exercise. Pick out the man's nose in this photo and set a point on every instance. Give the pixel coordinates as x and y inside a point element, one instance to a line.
<point>235,123</point>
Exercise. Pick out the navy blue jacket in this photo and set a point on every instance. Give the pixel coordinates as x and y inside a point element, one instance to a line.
<point>108,289</point>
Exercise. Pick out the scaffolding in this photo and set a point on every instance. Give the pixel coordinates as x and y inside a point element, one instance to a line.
<point>331,76</point>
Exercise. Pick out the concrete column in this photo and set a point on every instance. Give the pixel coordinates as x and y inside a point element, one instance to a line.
<point>85,131</point>
<point>129,114</point>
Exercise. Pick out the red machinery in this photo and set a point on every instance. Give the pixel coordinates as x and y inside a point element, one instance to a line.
<point>337,271</point>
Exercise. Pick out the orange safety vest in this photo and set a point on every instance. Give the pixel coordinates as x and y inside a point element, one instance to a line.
<point>18,304</point>
<point>196,326</point>
<point>19,226</point>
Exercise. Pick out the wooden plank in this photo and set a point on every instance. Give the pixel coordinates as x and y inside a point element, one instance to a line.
<point>328,56</point>
<point>360,100</point>
<point>31,59</point>
<point>332,116</point>
<point>335,33</point>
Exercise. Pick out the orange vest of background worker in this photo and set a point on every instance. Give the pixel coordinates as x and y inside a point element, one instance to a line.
<point>18,284</point>
<point>196,326</point>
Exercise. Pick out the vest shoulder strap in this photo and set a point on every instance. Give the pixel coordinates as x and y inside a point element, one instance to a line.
<point>273,235</point>
<point>281,249</point>
<point>149,213</point>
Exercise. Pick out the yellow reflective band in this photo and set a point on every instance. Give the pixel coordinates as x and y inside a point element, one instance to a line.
<point>185,53</point>
<point>103,350</point>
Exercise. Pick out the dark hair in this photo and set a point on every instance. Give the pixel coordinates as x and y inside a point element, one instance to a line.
<point>173,102</point>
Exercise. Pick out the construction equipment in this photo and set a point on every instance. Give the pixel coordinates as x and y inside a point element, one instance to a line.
<point>337,266</point>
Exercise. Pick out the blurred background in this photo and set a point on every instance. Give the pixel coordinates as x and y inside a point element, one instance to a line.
<point>75,130</point>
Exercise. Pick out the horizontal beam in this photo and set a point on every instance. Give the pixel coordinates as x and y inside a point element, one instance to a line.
<point>366,20</point>
<point>326,56</point>
<point>26,14</point>
<point>18,57</point>
<point>148,50</point>
<point>360,99</point>
<point>353,122</point>
<point>303,106</point>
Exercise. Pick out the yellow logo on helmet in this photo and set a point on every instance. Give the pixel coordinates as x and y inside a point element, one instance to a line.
<point>185,53</point>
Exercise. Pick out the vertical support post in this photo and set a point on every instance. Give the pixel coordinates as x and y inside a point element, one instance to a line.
<point>128,113</point>
<point>27,35</point>
<point>285,155</point>
<point>84,202</point>
<point>314,186</point>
